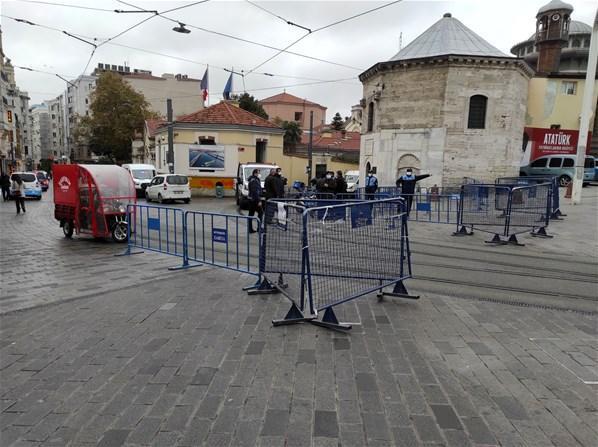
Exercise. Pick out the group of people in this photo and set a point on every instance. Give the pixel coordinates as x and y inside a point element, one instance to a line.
<point>331,184</point>
<point>273,189</point>
<point>405,182</point>
<point>18,190</point>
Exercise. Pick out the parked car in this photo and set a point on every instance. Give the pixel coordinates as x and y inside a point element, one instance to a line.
<point>142,175</point>
<point>562,166</point>
<point>595,169</point>
<point>170,187</point>
<point>43,180</point>
<point>33,189</point>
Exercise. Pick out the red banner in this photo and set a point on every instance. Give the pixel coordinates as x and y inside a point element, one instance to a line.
<point>554,141</point>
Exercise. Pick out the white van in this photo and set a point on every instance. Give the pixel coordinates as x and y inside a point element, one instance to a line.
<point>142,175</point>
<point>242,181</point>
<point>352,179</point>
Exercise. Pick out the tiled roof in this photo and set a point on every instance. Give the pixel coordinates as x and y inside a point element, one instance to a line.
<point>448,36</point>
<point>153,124</point>
<point>350,141</point>
<point>226,113</point>
<point>288,99</point>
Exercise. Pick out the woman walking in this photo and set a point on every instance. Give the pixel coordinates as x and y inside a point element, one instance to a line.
<point>18,191</point>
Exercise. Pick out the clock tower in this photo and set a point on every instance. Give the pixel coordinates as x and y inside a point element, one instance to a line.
<point>552,33</point>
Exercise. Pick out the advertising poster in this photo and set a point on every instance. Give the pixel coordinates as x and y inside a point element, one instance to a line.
<point>206,157</point>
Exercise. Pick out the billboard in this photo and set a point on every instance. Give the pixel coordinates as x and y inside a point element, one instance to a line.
<point>552,141</point>
<point>206,157</point>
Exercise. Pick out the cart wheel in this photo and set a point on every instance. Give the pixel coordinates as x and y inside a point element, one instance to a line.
<point>119,232</point>
<point>160,199</point>
<point>67,228</point>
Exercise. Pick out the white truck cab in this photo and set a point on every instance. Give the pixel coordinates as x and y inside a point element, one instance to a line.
<point>352,179</point>
<point>242,181</point>
<point>142,175</point>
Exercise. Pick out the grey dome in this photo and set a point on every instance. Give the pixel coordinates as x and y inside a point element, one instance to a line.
<point>447,36</point>
<point>553,5</point>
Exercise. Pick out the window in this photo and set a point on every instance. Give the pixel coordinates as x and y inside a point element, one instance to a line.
<point>589,163</point>
<point>539,163</point>
<point>371,117</point>
<point>9,115</point>
<point>86,101</point>
<point>477,112</point>
<point>555,162</point>
<point>568,88</point>
<point>576,43</point>
<point>53,134</point>
<point>555,126</point>
<point>207,140</point>
<point>568,163</point>
<point>299,116</point>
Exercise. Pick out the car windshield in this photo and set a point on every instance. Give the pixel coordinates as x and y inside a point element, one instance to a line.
<point>143,174</point>
<point>176,180</point>
<point>41,176</point>
<point>263,171</point>
<point>589,163</point>
<point>25,177</point>
<point>352,178</point>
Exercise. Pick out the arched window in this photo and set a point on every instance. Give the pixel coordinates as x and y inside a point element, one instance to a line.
<point>576,43</point>
<point>371,117</point>
<point>477,112</point>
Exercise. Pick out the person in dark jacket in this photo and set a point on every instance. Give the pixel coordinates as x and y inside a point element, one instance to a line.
<point>327,184</point>
<point>5,184</point>
<point>255,197</point>
<point>278,183</point>
<point>269,186</point>
<point>341,184</point>
<point>407,184</point>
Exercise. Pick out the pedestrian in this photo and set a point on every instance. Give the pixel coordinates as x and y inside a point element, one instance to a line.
<point>371,186</point>
<point>255,198</point>
<point>5,184</point>
<point>341,184</point>
<point>278,184</point>
<point>269,187</point>
<point>327,185</point>
<point>407,184</point>
<point>18,190</point>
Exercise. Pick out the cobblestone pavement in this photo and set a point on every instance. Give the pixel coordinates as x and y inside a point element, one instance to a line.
<point>191,360</point>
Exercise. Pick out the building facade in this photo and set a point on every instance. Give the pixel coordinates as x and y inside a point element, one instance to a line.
<point>41,134</point>
<point>57,128</point>
<point>287,107</point>
<point>78,100</point>
<point>449,104</point>
<point>558,53</point>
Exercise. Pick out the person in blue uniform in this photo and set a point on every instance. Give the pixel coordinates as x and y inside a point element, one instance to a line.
<point>407,184</point>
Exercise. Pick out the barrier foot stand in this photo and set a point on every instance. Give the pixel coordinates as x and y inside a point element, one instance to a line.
<point>293,316</point>
<point>463,232</point>
<point>129,252</point>
<point>513,241</point>
<point>557,215</point>
<point>330,321</point>
<point>541,233</point>
<point>253,286</point>
<point>185,266</point>
<point>399,291</point>
<point>496,240</point>
<point>265,288</point>
<point>280,283</point>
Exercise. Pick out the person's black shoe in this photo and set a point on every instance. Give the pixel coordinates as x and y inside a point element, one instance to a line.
<point>251,230</point>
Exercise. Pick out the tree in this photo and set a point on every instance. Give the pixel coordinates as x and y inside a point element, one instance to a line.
<point>292,134</point>
<point>117,110</point>
<point>337,122</point>
<point>249,103</point>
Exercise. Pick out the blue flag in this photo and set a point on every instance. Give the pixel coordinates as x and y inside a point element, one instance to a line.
<point>228,89</point>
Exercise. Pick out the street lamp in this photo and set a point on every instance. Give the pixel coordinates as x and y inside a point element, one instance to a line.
<point>181,29</point>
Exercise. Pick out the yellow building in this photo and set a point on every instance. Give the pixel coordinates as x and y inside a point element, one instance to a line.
<point>209,145</point>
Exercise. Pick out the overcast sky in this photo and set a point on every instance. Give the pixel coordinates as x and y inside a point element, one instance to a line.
<point>359,43</point>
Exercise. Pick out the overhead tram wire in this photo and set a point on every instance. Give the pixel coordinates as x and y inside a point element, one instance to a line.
<point>67,5</point>
<point>288,22</point>
<point>321,29</point>
<point>241,39</point>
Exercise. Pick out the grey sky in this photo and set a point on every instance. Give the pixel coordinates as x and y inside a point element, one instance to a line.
<point>359,43</point>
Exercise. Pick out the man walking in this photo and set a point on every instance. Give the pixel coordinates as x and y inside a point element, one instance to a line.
<point>5,184</point>
<point>371,186</point>
<point>407,184</point>
<point>278,182</point>
<point>341,184</point>
<point>269,186</point>
<point>19,192</point>
<point>255,198</point>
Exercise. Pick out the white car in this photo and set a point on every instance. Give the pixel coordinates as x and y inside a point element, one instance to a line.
<point>168,187</point>
<point>142,175</point>
<point>33,189</point>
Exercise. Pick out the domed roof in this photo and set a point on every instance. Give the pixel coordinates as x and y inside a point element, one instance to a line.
<point>575,27</point>
<point>447,36</point>
<point>553,5</point>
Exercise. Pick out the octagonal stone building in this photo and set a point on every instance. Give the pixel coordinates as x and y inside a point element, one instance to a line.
<point>449,104</point>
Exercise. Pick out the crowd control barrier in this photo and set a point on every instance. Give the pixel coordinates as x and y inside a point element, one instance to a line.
<point>222,240</point>
<point>556,213</point>
<point>505,211</point>
<point>322,256</point>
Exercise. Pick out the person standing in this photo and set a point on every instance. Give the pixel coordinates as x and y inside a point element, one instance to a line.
<point>371,185</point>
<point>269,186</point>
<point>341,184</point>
<point>278,184</point>
<point>255,198</point>
<point>5,184</point>
<point>407,184</point>
<point>327,184</point>
<point>18,190</point>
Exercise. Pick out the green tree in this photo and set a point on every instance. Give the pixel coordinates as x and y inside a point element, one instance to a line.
<point>337,122</point>
<point>292,134</point>
<point>117,110</point>
<point>251,104</point>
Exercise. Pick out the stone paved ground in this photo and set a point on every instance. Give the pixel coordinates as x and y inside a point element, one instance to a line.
<point>190,360</point>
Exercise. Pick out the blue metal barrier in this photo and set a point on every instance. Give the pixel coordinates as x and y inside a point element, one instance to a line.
<point>556,213</point>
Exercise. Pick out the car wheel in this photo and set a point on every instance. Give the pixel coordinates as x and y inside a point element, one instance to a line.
<point>160,199</point>
<point>119,232</point>
<point>186,200</point>
<point>67,228</point>
<point>564,180</point>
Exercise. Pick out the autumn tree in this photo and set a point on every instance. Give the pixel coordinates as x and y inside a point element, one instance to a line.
<point>117,110</point>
